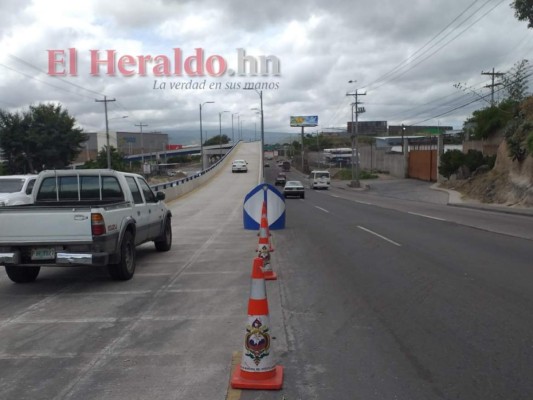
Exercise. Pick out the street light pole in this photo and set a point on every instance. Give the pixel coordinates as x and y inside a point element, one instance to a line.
<point>201,135</point>
<point>220,130</point>
<point>260,93</point>
<point>232,129</point>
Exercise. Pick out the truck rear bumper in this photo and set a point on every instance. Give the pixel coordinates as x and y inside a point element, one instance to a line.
<point>99,259</point>
<point>9,258</point>
<point>61,259</point>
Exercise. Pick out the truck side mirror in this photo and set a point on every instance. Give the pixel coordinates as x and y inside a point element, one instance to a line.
<point>160,196</point>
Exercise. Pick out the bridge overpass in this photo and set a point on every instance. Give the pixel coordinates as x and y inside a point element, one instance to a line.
<point>211,153</point>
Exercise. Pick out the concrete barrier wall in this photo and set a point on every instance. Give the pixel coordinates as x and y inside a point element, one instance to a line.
<point>380,160</point>
<point>177,188</point>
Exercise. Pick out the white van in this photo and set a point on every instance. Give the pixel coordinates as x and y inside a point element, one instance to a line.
<point>319,180</point>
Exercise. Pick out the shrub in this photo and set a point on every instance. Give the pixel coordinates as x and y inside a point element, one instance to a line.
<point>450,162</point>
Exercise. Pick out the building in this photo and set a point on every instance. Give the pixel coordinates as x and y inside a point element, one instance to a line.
<point>127,143</point>
<point>418,130</point>
<point>368,128</point>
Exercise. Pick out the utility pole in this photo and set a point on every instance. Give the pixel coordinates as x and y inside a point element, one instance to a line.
<point>492,85</point>
<point>142,141</point>
<point>355,141</point>
<point>105,101</point>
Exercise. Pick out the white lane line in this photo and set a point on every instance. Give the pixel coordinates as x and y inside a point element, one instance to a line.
<point>378,235</point>
<point>333,195</point>
<point>322,209</point>
<point>426,216</point>
<point>363,202</point>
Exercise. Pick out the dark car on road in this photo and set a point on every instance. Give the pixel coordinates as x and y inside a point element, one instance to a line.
<point>281,179</point>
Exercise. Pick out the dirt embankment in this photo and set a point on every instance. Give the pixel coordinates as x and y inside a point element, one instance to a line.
<point>509,182</point>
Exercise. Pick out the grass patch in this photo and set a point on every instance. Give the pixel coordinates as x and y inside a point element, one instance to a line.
<point>345,174</point>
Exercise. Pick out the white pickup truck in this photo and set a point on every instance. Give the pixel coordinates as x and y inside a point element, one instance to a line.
<point>83,217</point>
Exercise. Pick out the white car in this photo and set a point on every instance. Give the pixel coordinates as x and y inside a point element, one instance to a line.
<point>239,166</point>
<point>16,189</point>
<point>294,188</point>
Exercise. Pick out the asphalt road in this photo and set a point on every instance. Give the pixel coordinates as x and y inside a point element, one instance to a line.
<point>381,302</point>
<point>377,298</point>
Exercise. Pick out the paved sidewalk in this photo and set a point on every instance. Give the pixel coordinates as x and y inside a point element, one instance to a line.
<point>416,190</point>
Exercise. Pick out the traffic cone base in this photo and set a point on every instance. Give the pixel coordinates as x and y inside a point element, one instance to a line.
<point>272,380</point>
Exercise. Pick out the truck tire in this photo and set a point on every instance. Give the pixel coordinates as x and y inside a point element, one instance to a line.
<point>125,268</point>
<point>22,274</point>
<point>164,243</point>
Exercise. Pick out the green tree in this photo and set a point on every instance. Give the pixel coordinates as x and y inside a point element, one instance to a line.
<point>489,120</point>
<point>515,82</point>
<point>217,139</point>
<point>42,137</point>
<point>118,162</point>
<point>524,11</point>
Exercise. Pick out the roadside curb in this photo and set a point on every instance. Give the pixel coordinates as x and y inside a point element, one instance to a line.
<point>455,200</point>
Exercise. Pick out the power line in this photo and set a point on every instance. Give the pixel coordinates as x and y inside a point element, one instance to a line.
<point>55,77</point>
<point>400,65</point>
<point>464,105</point>
<point>441,47</point>
<point>41,81</point>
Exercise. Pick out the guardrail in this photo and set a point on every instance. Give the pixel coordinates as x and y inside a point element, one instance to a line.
<point>179,187</point>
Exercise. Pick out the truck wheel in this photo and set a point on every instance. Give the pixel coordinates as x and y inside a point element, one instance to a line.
<point>125,268</point>
<point>166,243</point>
<point>22,274</point>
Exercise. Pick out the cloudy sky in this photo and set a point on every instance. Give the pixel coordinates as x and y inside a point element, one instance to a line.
<point>406,55</point>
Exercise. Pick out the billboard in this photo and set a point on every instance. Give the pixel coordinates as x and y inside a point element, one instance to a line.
<point>304,120</point>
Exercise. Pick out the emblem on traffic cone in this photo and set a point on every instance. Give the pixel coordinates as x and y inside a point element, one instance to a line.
<point>257,370</point>
<point>264,247</point>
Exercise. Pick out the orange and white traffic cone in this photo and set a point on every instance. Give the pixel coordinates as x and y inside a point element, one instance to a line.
<point>264,247</point>
<point>264,214</point>
<point>257,370</point>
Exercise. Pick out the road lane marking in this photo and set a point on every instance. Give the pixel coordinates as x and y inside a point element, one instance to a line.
<point>363,202</point>
<point>322,209</point>
<point>426,216</point>
<point>334,195</point>
<point>379,236</point>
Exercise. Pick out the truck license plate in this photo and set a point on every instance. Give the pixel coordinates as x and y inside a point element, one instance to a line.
<point>43,253</point>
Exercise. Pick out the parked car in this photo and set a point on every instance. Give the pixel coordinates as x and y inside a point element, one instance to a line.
<point>281,179</point>
<point>92,217</point>
<point>294,188</point>
<point>16,189</point>
<point>239,166</point>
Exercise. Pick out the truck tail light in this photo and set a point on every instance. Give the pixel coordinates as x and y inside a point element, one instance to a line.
<point>97,224</point>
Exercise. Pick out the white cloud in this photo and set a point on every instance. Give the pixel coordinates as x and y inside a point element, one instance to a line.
<point>321,45</point>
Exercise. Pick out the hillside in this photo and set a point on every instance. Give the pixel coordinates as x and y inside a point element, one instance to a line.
<point>509,182</point>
